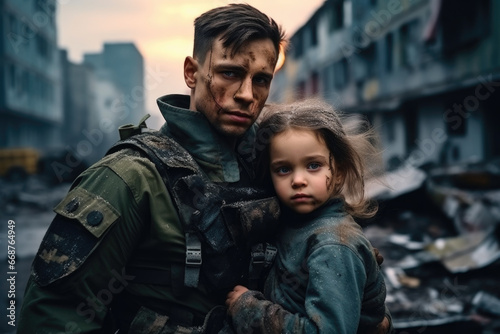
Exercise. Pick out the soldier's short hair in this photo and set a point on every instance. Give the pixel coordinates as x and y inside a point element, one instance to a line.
<point>234,24</point>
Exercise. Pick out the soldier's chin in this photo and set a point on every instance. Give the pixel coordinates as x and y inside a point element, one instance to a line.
<point>232,131</point>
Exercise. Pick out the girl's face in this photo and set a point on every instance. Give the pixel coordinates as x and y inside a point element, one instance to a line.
<point>300,170</point>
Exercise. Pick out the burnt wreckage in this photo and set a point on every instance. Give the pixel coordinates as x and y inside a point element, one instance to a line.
<point>439,232</point>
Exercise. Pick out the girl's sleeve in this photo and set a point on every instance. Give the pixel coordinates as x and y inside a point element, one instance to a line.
<point>332,301</point>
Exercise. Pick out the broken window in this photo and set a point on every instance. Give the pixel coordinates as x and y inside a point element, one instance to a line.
<point>301,90</point>
<point>313,33</point>
<point>365,66</point>
<point>340,74</point>
<point>314,83</point>
<point>12,76</point>
<point>409,44</point>
<point>389,53</point>
<point>297,45</point>
<point>336,15</point>
<point>464,22</point>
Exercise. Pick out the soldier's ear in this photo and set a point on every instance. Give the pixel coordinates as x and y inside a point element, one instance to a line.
<point>190,71</point>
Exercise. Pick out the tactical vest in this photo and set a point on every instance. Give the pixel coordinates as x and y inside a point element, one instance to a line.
<point>225,226</point>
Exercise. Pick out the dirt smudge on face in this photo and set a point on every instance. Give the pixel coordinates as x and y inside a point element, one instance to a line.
<point>252,56</point>
<point>247,62</point>
<point>214,92</point>
<point>210,85</point>
<point>272,58</point>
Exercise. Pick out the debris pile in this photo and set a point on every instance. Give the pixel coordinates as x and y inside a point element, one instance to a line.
<point>439,232</point>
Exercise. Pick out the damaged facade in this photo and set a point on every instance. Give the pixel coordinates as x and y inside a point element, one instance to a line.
<point>30,76</point>
<point>426,73</point>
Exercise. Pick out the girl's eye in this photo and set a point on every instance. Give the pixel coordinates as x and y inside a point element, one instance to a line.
<point>282,170</point>
<point>314,165</point>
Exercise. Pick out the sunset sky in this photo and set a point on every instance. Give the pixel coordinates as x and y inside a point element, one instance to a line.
<point>161,29</point>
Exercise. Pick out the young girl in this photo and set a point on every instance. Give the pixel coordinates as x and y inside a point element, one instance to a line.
<point>325,278</point>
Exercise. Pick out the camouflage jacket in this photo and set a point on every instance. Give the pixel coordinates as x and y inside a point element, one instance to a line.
<point>119,215</point>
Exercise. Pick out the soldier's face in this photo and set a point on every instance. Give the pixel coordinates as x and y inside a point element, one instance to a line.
<point>232,90</point>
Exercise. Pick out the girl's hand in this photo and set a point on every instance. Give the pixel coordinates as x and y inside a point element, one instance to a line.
<point>232,296</point>
<point>378,256</point>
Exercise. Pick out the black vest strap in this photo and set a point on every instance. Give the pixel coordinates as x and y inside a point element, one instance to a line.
<point>220,222</point>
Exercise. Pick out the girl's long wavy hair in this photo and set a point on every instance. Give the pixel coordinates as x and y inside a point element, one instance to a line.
<point>351,141</point>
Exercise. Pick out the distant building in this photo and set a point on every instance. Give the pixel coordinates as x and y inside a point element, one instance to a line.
<point>425,72</point>
<point>30,81</point>
<point>90,125</point>
<point>122,64</point>
<point>100,94</point>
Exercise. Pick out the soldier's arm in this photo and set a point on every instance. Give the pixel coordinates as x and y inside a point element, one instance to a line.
<point>80,266</point>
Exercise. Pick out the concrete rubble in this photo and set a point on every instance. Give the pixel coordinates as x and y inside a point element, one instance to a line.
<point>440,237</point>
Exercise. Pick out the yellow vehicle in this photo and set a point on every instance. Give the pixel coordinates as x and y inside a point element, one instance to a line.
<point>17,163</point>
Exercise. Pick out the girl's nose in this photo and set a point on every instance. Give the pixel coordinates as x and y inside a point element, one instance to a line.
<point>298,180</point>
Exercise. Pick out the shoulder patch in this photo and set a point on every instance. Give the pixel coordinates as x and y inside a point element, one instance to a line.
<point>92,211</point>
<point>68,243</point>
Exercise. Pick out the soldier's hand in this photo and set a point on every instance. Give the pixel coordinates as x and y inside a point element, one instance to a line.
<point>232,296</point>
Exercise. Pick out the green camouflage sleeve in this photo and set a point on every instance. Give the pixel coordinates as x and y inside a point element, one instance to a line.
<point>80,265</point>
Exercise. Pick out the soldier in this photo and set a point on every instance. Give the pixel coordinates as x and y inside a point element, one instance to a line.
<point>149,239</point>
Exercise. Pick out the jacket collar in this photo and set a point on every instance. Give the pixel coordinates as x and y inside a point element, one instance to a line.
<point>330,208</point>
<point>192,130</point>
